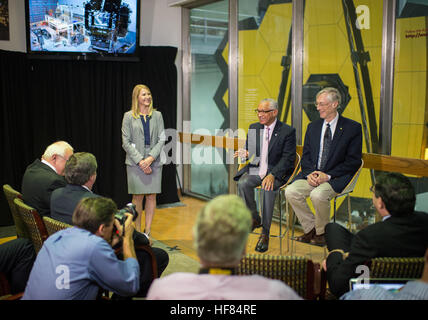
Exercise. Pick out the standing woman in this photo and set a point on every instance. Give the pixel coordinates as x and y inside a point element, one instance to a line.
<point>143,138</point>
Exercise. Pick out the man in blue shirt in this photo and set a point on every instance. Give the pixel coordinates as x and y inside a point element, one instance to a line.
<point>74,263</point>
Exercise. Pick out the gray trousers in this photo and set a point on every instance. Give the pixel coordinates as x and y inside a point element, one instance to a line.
<point>246,185</point>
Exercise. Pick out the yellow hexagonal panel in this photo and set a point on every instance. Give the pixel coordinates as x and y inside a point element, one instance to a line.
<point>275,27</point>
<point>323,12</point>
<point>251,91</point>
<point>272,73</point>
<point>253,52</point>
<point>326,48</point>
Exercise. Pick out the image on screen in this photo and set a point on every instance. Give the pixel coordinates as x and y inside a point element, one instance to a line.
<point>83,26</point>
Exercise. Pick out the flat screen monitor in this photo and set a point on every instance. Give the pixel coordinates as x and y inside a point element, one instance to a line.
<point>82,28</point>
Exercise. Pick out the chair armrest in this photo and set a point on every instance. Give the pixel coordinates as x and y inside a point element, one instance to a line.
<point>149,250</point>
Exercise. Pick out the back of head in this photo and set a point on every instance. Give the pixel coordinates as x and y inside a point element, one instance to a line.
<point>221,231</point>
<point>397,193</point>
<point>80,167</point>
<point>90,213</point>
<point>58,147</point>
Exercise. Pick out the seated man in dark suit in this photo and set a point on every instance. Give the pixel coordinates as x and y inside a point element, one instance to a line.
<point>401,233</point>
<point>81,173</point>
<point>42,177</point>
<point>331,156</point>
<point>271,148</point>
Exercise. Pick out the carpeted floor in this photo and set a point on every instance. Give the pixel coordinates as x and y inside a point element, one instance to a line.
<point>178,262</point>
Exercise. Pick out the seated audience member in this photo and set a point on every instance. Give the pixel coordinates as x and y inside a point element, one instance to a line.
<point>80,174</point>
<point>220,236</point>
<point>75,262</point>
<point>412,290</point>
<point>42,177</point>
<point>16,260</point>
<point>401,233</point>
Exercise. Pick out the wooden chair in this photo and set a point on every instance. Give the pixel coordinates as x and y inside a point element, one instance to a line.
<point>11,194</point>
<point>34,223</point>
<point>281,194</point>
<point>53,225</point>
<point>299,273</point>
<point>346,193</point>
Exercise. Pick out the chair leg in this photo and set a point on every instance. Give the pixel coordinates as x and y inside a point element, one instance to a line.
<point>292,233</point>
<point>334,212</point>
<point>349,213</point>
<point>280,222</point>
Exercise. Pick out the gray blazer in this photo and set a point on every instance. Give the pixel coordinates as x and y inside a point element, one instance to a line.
<point>133,138</point>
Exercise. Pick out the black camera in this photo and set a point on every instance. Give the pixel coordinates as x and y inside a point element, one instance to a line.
<point>120,215</point>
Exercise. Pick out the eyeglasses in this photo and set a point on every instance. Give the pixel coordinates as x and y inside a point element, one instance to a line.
<point>263,111</point>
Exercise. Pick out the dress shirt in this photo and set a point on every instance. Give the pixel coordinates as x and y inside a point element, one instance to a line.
<point>73,264</point>
<point>412,290</point>
<point>190,286</point>
<point>49,165</point>
<point>333,124</point>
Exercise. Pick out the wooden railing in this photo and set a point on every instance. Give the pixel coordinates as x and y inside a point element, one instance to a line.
<point>379,162</point>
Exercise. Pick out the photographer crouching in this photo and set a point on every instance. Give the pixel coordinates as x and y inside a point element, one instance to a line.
<point>76,262</point>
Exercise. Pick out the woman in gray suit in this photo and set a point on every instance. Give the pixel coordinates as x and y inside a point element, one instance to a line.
<point>143,138</point>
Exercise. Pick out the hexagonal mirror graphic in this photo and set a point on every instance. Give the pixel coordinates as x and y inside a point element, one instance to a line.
<point>317,82</point>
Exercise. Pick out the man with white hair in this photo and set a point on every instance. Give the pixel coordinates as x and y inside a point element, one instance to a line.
<point>44,176</point>
<point>220,237</point>
<point>271,151</point>
<point>331,156</point>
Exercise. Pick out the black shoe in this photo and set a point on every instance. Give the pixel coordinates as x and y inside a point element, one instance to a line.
<point>263,243</point>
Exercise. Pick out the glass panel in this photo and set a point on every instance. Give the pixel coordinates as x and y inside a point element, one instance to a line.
<point>264,62</point>
<point>343,49</point>
<point>409,132</point>
<point>208,33</point>
<point>410,115</point>
<point>264,58</point>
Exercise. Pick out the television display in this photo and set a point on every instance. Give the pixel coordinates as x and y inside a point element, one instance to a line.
<point>83,27</point>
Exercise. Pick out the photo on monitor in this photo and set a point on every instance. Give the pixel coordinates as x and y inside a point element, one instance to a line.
<point>103,27</point>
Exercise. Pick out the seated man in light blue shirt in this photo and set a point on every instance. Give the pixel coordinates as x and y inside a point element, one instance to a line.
<point>412,290</point>
<point>74,263</point>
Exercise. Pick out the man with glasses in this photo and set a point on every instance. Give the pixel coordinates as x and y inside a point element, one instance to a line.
<point>44,176</point>
<point>331,156</point>
<point>402,232</point>
<point>271,151</point>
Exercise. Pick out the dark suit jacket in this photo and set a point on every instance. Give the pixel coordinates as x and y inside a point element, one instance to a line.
<point>65,200</point>
<point>405,236</point>
<point>281,151</point>
<point>345,154</point>
<point>38,182</point>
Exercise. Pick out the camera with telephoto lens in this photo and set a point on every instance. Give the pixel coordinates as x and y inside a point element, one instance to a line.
<point>120,215</point>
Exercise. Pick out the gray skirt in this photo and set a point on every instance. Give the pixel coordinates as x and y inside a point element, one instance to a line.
<point>141,183</point>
